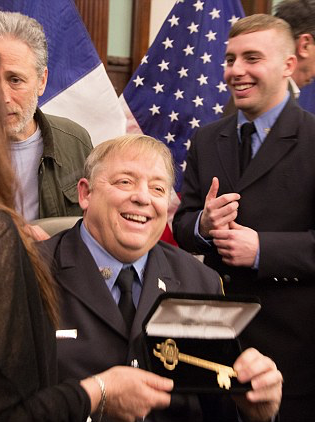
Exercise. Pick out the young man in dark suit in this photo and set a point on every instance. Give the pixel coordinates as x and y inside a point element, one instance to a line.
<point>255,224</point>
<point>125,196</point>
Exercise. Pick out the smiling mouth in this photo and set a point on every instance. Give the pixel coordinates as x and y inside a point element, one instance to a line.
<point>134,217</point>
<point>242,87</point>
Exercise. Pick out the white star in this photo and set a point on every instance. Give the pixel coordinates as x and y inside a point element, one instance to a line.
<point>215,14</point>
<point>144,59</point>
<point>169,138</point>
<point>202,79</point>
<point>221,87</point>
<point>233,20</point>
<point>138,81</point>
<point>206,58</point>
<point>212,36</point>
<point>218,108</point>
<point>168,43</point>
<point>194,123</point>
<point>179,94</point>
<point>183,72</point>
<point>180,1</point>
<point>198,101</point>
<point>173,116</point>
<point>188,50</point>
<point>193,27</point>
<point>224,64</point>
<point>158,87</point>
<point>198,5</point>
<point>183,166</point>
<point>155,109</point>
<point>173,21</point>
<point>163,65</point>
<point>187,144</point>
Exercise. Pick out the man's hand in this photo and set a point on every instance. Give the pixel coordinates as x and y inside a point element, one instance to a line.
<point>218,212</point>
<point>132,393</point>
<point>36,232</point>
<point>238,245</point>
<point>263,401</point>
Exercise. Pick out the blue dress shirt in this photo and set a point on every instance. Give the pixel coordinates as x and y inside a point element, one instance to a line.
<point>103,259</point>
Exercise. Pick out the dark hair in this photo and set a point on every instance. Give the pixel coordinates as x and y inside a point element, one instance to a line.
<point>300,15</point>
<point>8,188</point>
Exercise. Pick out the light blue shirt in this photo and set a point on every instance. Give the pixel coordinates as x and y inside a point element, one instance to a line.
<point>263,124</point>
<point>26,156</point>
<point>103,259</point>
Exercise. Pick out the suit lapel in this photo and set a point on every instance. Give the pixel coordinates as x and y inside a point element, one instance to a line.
<point>227,146</point>
<point>157,268</point>
<point>279,142</point>
<point>79,275</point>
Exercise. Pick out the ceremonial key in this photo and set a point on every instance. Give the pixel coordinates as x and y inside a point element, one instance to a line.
<point>170,355</point>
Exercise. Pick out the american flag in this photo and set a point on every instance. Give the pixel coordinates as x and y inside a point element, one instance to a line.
<point>179,84</point>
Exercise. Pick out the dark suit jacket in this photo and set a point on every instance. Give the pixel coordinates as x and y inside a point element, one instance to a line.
<point>87,304</point>
<point>278,201</point>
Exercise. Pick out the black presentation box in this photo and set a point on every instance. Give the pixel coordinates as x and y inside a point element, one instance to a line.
<point>202,327</point>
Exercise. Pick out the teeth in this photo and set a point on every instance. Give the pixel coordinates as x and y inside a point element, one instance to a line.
<point>134,217</point>
<point>242,87</point>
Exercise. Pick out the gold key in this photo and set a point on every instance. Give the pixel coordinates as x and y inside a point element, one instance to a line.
<point>170,355</point>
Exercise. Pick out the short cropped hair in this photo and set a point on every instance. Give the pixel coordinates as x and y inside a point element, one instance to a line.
<point>135,142</point>
<point>300,15</point>
<point>264,22</point>
<point>29,31</point>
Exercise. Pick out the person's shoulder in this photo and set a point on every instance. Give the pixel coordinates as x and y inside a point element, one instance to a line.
<point>69,127</point>
<point>304,120</point>
<point>184,259</point>
<point>222,124</point>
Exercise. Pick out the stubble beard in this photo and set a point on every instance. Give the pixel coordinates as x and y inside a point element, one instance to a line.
<point>13,131</point>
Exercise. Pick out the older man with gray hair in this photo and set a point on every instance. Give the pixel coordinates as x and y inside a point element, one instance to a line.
<point>48,152</point>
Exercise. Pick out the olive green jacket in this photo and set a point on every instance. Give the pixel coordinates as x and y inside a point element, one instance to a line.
<point>66,146</point>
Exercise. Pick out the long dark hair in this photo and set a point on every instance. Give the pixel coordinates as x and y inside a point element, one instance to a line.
<point>8,187</point>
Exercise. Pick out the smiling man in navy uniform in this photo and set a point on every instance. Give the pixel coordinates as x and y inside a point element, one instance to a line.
<point>125,196</point>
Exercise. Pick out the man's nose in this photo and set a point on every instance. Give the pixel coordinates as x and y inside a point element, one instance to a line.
<point>141,195</point>
<point>6,90</point>
<point>237,68</point>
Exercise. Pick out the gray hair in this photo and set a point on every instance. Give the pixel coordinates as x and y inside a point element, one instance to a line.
<point>29,31</point>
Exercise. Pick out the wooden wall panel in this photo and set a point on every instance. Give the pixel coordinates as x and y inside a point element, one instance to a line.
<point>140,31</point>
<point>95,17</point>
<point>256,6</point>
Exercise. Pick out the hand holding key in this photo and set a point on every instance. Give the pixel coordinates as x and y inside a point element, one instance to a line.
<point>170,356</point>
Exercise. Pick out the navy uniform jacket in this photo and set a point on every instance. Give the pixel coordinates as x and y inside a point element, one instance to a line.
<point>278,201</point>
<point>87,305</point>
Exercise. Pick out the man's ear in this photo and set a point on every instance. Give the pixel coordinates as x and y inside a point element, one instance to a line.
<point>290,65</point>
<point>303,44</point>
<point>42,83</point>
<point>84,193</point>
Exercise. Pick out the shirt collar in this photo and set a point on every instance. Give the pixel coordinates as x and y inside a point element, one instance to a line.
<point>295,89</point>
<point>264,122</point>
<point>104,259</point>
